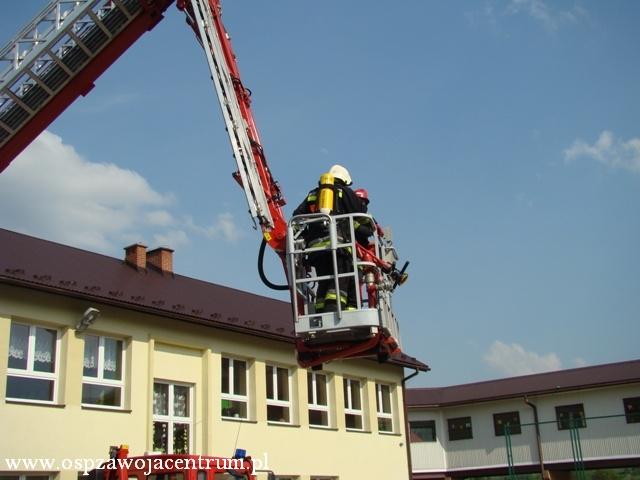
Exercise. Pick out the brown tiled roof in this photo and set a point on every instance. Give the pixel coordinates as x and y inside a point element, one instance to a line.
<point>536,384</point>
<point>44,265</point>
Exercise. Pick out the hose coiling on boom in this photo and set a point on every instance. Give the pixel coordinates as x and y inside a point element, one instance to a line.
<point>263,277</point>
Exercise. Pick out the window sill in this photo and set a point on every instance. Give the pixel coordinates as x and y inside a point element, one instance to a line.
<point>234,419</point>
<point>391,434</point>
<point>105,409</point>
<point>18,401</point>
<point>281,424</point>
<point>322,427</point>
<point>355,430</point>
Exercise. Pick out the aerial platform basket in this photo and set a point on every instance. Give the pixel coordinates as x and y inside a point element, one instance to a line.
<point>366,327</point>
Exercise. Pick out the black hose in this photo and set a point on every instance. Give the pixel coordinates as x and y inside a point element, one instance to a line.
<point>263,277</point>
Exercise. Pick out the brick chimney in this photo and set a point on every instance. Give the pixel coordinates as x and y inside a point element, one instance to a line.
<point>162,259</point>
<point>136,255</point>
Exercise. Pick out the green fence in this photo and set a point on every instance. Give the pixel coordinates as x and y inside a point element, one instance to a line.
<point>595,437</point>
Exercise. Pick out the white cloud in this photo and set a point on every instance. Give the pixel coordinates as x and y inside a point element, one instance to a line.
<point>541,11</point>
<point>580,362</point>
<point>515,360</point>
<point>609,151</point>
<point>51,191</point>
<point>549,17</point>
<point>224,227</point>
<point>171,239</point>
<point>225,224</point>
<point>160,218</point>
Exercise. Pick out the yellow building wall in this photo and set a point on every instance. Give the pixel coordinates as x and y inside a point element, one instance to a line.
<point>164,349</point>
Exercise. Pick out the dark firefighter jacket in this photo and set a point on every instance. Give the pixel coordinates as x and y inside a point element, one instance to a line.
<point>345,201</point>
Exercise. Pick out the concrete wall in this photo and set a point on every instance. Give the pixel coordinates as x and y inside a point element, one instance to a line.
<point>158,348</point>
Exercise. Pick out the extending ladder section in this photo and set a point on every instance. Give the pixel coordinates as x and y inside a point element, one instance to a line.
<point>262,192</point>
<point>58,56</point>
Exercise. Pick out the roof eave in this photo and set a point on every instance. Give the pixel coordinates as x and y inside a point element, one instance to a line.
<point>145,309</point>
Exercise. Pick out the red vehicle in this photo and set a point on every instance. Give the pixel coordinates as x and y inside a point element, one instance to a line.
<point>58,57</point>
<point>174,467</point>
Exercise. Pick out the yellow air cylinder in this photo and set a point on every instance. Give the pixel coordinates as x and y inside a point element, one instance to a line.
<point>325,197</point>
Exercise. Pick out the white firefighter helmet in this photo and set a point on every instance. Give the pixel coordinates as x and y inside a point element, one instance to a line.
<point>341,173</point>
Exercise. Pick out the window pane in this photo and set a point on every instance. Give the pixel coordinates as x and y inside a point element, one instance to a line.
<point>321,387</point>
<point>160,399</point>
<point>460,428</point>
<point>160,437</point>
<point>508,419</point>
<point>112,359</point>
<point>225,375</point>
<point>18,346</point>
<point>632,409</point>
<point>310,387</point>
<point>180,401</point>
<point>90,356</point>
<point>234,409</point>
<point>283,383</point>
<point>386,398</point>
<point>353,421</point>
<point>29,388</point>
<point>101,395</point>
<point>180,438</point>
<point>276,413</point>
<point>269,376</point>
<point>44,357</point>
<point>570,416</point>
<point>9,477</point>
<point>239,377</point>
<point>317,417</point>
<point>422,431</point>
<point>385,425</point>
<point>355,395</point>
<point>345,391</point>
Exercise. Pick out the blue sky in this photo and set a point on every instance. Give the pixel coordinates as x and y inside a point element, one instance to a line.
<point>499,139</point>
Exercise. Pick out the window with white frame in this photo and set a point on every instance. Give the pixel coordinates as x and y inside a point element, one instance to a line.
<point>317,389</point>
<point>353,404</point>
<point>234,388</point>
<point>32,372</point>
<point>383,407</point>
<point>25,477</point>
<point>103,371</point>
<point>172,417</point>
<point>278,394</point>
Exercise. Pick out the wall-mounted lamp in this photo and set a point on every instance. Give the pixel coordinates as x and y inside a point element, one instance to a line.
<point>88,318</point>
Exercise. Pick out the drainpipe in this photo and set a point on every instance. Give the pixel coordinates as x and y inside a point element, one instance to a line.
<point>406,421</point>
<point>538,439</point>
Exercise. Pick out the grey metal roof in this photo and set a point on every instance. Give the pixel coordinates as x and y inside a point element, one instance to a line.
<point>536,384</point>
<point>35,263</point>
